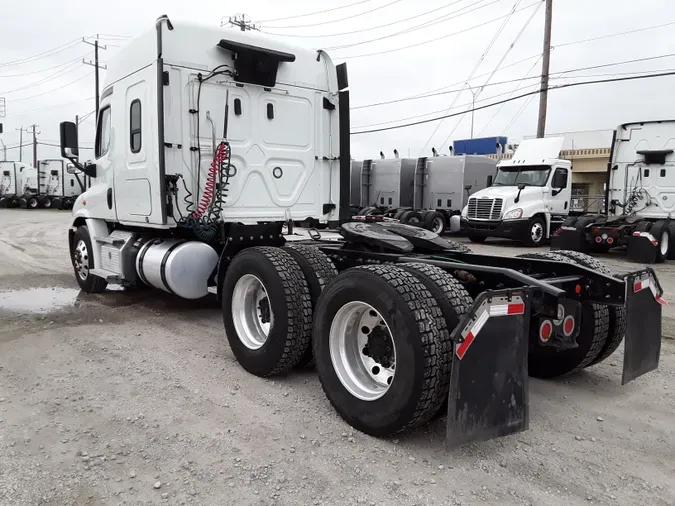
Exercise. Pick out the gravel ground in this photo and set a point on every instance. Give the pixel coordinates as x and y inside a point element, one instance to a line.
<point>135,398</point>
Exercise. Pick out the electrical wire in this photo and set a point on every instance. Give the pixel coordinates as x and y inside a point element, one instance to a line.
<point>337,20</point>
<point>55,89</point>
<point>74,65</point>
<point>316,12</point>
<point>443,37</point>
<point>44,54</point>
<point>556,87</point>
<point>56,145</point>
<point>499,64</point>
<point>369,28</point>
<point>426,24</point>
<point>40,71</point>
<point>490,45</point>
<point>58,106</point>
<point>610,35</point>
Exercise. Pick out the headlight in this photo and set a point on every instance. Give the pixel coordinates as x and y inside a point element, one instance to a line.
<point>465,211</point>
<point>514,214</point>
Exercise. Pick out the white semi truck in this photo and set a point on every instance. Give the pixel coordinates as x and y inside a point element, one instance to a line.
<point>18,185</point>
<point>639,198</point>
<point>59,183</point>
<point>209,140</point>
<point>529,197</point>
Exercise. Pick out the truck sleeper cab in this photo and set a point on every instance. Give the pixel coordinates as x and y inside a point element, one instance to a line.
<point>201,157</point>
<point>529,197</point>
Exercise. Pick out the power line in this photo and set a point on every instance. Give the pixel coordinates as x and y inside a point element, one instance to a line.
<point>58,145</point>
<point>369,28</point>
<point>557,87</point>
<point>337,20</point>
<point>55,89</point>
<point>315,13</point>
<point>44,54</point>
<point>654,27</point>
<point>426,24</point>
<point>70,68</point>
<point>40,71</point>
<point>485,23</point>
<point>506,18</point>
<point>57,106</point>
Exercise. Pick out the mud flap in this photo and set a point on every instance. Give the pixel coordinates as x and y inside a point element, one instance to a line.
<point>642,248</point>
<point>569,238</point>
<point>489,386</point>
<point>643,324</point>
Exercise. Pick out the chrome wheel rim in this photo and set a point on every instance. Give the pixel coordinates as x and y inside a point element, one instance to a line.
<point>251,311</point>
<point>33,203</point>
<point>437,225</point>
<point>665,239</point>
<point>81,260</point>
<point>537,232</point>
<point>414,220</point>
<point>362,351</point>
<point>48,203</point>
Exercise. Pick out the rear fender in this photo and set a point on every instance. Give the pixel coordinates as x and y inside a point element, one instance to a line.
<point>489,386</point>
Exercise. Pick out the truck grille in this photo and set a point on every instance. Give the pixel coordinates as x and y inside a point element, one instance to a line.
<point>485,209</point>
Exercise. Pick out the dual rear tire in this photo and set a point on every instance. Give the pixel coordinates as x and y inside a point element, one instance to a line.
<point>380,335</point>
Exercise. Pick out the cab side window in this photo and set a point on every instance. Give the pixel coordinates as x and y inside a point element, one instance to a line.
<point>103,133</point>
<point>135,126</point>
<point>560,178</point>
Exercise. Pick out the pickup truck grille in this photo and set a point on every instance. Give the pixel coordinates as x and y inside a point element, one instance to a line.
<point>485,209</point>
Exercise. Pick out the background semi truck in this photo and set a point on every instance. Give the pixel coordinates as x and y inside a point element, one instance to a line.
<point>426,191</point>
<point>59,184</point>
<point>529,197</point>
<point>639,198</point>
<point>207,166</point>
<point>18,185</point>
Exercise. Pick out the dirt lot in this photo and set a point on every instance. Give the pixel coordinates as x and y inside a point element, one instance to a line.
<point>125,398</point>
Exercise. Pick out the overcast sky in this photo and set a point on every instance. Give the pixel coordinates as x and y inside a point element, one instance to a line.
<point>50,89</point>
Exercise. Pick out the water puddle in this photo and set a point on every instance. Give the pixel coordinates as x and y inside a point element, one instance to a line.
<point>38,300</point>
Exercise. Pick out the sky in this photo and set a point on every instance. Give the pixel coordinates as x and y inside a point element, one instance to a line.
<point>487,50</point>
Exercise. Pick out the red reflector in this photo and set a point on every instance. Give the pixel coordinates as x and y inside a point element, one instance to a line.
<point>610,240</point>
<point>568,325</point>
<point>598,239</point>
<point>577,289</point>
<point>516,309</point>
<point>545,331</point>
<point>461,349</point>
<point>637,286</point>
<point>596,230</point>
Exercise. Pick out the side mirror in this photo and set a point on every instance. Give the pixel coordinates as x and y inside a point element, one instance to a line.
<point>69,144</point>
<point>522,186</point>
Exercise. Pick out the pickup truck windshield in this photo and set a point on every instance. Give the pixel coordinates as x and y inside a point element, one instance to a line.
<point>529,175</point>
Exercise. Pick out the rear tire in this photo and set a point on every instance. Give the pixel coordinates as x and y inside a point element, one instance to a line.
<point>408,345</point>
<point>454,302</point>
<point>318,271</point>
<point>82,258</point>
<point>32,203</point>
<point>617,315</point>
<point>549,362</point>
<point>413,218</point>
<point>661,232</point>
<point>435,222</point>
<point>267,310</point>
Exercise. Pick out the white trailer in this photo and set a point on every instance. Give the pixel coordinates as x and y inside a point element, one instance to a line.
<point>209,140</point>
<point>639,198</point>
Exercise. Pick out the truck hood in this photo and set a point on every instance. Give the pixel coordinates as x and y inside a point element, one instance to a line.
<point>509,193</point>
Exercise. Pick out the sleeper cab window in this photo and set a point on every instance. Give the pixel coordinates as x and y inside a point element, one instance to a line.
<point>135,140</point>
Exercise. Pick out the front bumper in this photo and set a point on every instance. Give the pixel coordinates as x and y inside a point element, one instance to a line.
<point>508,229</point>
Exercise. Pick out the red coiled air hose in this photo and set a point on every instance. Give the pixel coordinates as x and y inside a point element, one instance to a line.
<point>210,186</point>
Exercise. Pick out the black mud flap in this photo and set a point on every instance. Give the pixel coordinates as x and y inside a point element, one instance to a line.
<point>642,248</point>
<point>569,238</point>
<point>489,387</point>
<point>643,324</point>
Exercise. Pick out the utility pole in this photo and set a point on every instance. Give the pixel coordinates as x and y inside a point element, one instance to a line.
<point>35,134</point>
<point>96,66</point>
<point>242,21</point>
<point>473,105</point>
<point>543,96</point>
<point>20,143</point>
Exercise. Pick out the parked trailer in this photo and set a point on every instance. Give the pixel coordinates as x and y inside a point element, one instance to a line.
<point>396,321</point>
<point>18,185</point>
<point>639,198</point>
<point>423,191</point>
<point>59,185</point>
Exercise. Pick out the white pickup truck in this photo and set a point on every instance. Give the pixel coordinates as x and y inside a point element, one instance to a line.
<point>529,197</point>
